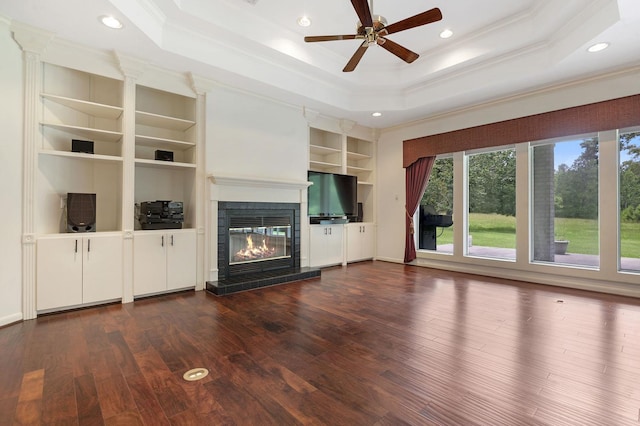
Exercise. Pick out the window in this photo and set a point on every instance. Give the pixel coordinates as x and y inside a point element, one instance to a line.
<point>565,202</point>
<point>492,204</point>
<point>629,175</point>
<point>436,208</point>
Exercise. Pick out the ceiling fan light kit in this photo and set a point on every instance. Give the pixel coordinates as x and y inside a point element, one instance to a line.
<point>373,29</point>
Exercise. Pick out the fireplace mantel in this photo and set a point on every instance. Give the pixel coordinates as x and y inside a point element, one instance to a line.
<point>225,188</point>
<point>256,182</point>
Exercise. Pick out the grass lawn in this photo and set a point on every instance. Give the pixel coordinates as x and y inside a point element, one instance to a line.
<point>493,230</point>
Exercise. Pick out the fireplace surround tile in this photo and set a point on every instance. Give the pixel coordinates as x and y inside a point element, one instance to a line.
<point>263,279</point>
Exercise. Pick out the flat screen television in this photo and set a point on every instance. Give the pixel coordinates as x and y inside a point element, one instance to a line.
<point>332,195</point>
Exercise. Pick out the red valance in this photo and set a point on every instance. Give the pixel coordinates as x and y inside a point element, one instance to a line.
<point>607,115</point>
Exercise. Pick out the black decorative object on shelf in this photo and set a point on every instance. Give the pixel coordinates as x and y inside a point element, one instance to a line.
<point>78,145</point>
<point>164,155</point>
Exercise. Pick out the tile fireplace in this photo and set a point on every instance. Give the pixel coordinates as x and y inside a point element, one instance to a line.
<point>258,245</point>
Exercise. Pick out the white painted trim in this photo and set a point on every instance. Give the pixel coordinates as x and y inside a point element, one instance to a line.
<point>10,319</point>
<point>558,281</point>
<point>258,182</point>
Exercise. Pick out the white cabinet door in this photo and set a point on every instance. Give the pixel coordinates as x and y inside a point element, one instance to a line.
<point>102,268</point>
<point>360,241</point>
<point>149,262</point>
<point>334,244</point>
<point>58,272</point>
<point>181,259</point>
<point>354,235</point>
<point>325,245</point>
<point>368,241</point>
<point>317,249</point>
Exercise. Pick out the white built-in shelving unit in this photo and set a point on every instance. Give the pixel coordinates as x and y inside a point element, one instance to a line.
<point>336,146</point>
<point>128,109</point>
<point>334,152</point>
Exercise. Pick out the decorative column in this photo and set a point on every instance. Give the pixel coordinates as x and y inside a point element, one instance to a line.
<point>131,69</point>
<point>311,116</point>
<point>33,43</point>
<point>201,86</point>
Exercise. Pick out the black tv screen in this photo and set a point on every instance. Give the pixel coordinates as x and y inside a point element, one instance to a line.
<point>332,195</point>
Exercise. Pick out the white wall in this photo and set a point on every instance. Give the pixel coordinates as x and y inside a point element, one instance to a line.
<point>261,147</point>
<point>11,111</point>
<point>391,212</point>
<point>252,136</point>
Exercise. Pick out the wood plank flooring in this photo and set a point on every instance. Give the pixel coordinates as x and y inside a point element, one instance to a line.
<point>373,343</point>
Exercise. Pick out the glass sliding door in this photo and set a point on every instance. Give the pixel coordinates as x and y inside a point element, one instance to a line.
<point>629,184</point>
<point>492,204</point>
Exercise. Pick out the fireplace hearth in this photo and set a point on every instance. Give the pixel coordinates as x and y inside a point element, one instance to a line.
<point>258,246</point>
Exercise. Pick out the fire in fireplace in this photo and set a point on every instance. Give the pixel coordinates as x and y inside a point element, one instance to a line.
<point>256,244</point>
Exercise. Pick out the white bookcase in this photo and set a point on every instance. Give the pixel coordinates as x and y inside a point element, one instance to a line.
<point>79,105</point>
<point>351,150</point>
<point>129,110</point>
<point>166,121</point>
<point>325,151</point>
<point>335,152</point>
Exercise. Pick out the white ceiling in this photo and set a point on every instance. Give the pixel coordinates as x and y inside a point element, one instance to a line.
<point>500,48</point>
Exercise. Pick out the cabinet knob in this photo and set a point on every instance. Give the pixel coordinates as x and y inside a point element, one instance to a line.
<point>162,241</point>
<point>76,249</point>
<point>172,240</point>
<point>88,246</point>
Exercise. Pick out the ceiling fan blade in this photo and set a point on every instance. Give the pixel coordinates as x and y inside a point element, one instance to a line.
<point>364,14</point>
<point>401,52</point>
<point>423,18</point>
<point>353,62</point>
<point>310,39</point>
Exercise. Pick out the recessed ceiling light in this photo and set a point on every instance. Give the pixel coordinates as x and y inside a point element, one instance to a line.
<point>446,34</point>
<point>111,22</point>
<point>377,114</point>
<point>598,47</point>
<point>304,21</point>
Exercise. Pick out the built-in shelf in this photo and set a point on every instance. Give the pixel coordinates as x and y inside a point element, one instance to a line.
<point>86,107</point>
<point>88,132</point>
<point>163,143</point>
<point>156,164</point>
<point>323,165</point>
<point>357,156</point>
<point>163,121</point>
<point>323,150</point>
<point>82,156</point>
<point>355,169</point>
<point>337,152</point>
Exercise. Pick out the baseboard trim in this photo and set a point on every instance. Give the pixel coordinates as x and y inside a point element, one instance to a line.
<point>10,319</point>
<point>558,281</point>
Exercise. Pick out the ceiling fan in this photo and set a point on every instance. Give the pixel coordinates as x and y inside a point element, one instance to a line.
<point>373,30</point>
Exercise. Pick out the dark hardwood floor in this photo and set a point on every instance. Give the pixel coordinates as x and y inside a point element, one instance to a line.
<point>370,344</point>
